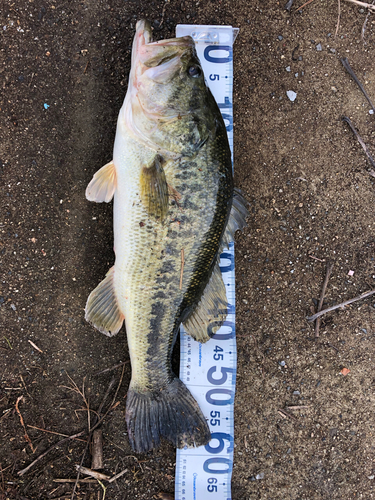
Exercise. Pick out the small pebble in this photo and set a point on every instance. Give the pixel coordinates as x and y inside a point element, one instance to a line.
<point>288,69</point>
<point>371,111</point>
<point>296,393</point>
<point>291,95</point>
<point>282,363</point>
<point>371,477</point>
<point>280,38</point>
<point>260,475</point>
<point>319,47</point>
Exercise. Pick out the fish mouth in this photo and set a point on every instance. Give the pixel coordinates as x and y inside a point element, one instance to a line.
<point>151,54</point>
<point>154,65</point>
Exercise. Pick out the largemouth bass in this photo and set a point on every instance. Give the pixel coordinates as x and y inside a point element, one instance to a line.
<point>175,209</point>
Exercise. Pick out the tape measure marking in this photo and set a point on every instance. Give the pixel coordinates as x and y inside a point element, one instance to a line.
<point>209,370</point>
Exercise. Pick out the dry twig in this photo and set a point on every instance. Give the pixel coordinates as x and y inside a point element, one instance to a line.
<point>343,304</point>
<point>99,422</point>
<point>163,13</point>
<point>92,473</point>
<point>364,24</point>
<point>23,425</point>
<point>360,140</point>
<point>116,476</point>
<point>338,18</point>
<point>322,295</point>
<point>349,69</point>
<point>112,368</point>
<point>23,471</point>
<point>69,480</point>
<point>285,414</point>
<point>97,449</point>
<point>316,258</point>
<point>304,5</point>
<point>302,407</point>
<point>35,346</point>
<point>56,433</point>
<point>363,4</point>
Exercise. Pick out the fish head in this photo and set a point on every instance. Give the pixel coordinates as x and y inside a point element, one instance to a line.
<point>166,106</point>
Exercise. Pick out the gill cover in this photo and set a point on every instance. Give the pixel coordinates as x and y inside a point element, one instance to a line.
<point>167,99</point>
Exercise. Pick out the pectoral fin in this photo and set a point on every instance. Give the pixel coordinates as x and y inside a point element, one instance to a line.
<point>211,310</point>
<point>103,185</point>
<point>154,189</point>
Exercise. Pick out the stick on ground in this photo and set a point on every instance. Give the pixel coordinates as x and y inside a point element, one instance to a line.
<point>360,140</point>
<point>23,471</point>
<point>322,295</point>
<point>23,425</point>
<point>363,4</point>
<point>343,304</point>
<point>97,450</point>
<point>364,24</point>
<point>349,69</point>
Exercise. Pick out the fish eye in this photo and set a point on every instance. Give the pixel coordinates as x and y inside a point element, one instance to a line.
<point>194,71</point>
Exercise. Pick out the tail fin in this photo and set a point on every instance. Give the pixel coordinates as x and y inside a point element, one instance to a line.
<point>171,413</point>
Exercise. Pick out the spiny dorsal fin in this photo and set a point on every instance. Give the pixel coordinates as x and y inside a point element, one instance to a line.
<point>103,185</point>
<point>102,309</point>
<point>212,308</point>
<point>154,189</point>
<point>237,219</point>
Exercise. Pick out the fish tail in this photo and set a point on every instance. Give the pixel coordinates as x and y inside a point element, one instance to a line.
<point>171,412</point>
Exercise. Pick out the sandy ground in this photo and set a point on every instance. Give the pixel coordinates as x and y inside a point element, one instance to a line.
<point>64,70</point>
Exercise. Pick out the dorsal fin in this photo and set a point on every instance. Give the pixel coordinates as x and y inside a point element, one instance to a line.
<point>236,221</point>
<point>212,308</point>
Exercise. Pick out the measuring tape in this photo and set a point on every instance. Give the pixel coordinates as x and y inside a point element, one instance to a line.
<point>209,370</point>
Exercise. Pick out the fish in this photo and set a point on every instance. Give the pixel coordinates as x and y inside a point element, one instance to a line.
<point>174,211</point>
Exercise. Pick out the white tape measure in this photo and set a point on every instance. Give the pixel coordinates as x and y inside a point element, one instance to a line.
<point>209,370</point>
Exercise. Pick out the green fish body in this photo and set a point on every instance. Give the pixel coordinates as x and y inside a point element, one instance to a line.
<point>175,209</point>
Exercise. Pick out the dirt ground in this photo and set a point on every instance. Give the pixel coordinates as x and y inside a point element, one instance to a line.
<point>64,71</point>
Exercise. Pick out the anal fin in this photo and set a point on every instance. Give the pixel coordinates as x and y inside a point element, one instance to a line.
<point>102,186</point>
<point>102,309</point>
<point>212,308</point>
